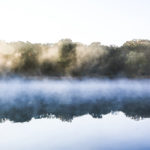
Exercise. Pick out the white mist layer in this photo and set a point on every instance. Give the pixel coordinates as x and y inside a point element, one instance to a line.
<point>69,91</point>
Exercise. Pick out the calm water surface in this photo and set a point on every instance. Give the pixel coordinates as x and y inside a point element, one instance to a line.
<point>112,132</point>
<point>75,114</point>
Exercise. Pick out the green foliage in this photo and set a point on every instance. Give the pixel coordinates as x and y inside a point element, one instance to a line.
<point>49,69</point>
<point>67,55</point>
<point>28,58</point>
<point>67,58</point>
<point>114,62</point>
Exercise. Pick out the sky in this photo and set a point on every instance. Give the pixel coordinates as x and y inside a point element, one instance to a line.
<point>111,22</point>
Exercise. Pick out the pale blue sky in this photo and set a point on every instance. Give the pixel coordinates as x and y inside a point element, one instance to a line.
<point>86,21</point>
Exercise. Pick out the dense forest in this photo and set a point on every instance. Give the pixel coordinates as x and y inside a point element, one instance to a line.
<point>67,58</point>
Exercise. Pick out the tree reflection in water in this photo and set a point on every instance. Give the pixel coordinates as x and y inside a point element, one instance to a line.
<point>22,111</point>
<point>21,99</point>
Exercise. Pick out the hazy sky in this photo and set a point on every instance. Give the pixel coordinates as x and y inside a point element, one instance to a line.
<point>86,21</point>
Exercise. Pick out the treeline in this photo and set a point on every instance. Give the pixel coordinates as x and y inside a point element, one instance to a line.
<point>67,58</point>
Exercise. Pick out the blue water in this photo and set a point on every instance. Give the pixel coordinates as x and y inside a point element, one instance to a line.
<point>68,114</point>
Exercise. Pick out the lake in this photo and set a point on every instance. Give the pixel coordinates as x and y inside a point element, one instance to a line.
<point>73,114</point>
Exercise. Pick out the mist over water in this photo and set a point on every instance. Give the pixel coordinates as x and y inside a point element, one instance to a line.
<point>86,105</point>
<point>21,99</point>
<point>69,91</point>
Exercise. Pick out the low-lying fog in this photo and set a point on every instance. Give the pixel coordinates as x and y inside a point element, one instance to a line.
<point>71,90</point>
<point>72,97</point>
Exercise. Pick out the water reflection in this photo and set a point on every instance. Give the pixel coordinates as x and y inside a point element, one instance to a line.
<point>22,100</point>
<point>135,109</point>
<point>112,132</point>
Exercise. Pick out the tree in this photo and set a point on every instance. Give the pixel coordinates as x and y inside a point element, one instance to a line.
<point>67,55</point>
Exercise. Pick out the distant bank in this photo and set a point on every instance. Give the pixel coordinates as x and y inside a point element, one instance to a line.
<point>69,59</point>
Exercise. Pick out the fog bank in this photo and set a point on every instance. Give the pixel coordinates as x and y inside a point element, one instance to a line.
<point>22,99</point>
<point>73,90</point>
